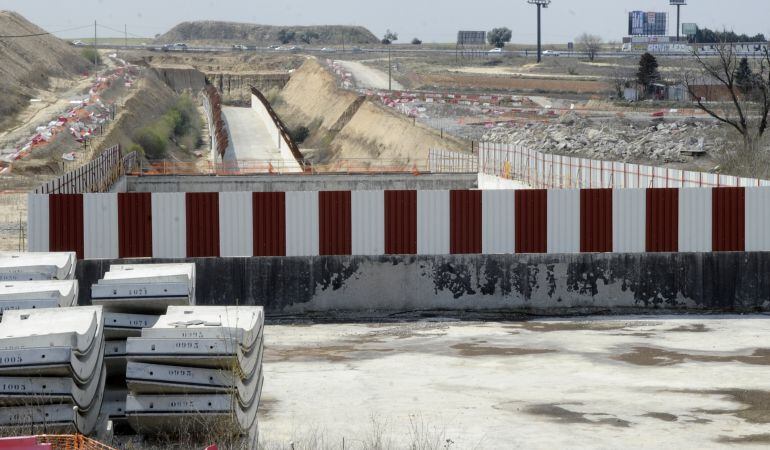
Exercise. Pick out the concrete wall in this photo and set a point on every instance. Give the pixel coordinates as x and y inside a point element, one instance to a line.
<point>617,283</point>
<point>287,183</point>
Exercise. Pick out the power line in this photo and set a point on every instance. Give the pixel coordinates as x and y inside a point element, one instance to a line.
<point>42,34</point>
<point>121,31</point>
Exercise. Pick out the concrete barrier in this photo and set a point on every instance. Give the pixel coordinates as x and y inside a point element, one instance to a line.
<point>615,283</point>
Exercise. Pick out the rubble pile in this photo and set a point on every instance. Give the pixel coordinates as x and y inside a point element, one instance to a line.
<point>615,140</point>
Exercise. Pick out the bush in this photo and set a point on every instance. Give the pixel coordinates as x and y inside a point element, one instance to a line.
<point>90,54</point>
<point>153,143</point>
<point>136,148</point>
<point>416,41</point>
<point>299,134</point>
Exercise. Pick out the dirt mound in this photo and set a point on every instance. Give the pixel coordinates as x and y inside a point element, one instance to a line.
<point>27,63</point>
<point>252,34</point>
<point>344,125</point>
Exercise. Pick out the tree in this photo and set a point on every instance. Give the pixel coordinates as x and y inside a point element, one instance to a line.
<point>590,44</point>
<point>285,36</point>
<point>389,37</point>
<point>308,36</point>
<point>706,36</point>
<point>746,114</point>
<point>499,36</point>
<point>620,79</point>
<point>416,41</point>
<point>648,72</point>
<point>744,77</point>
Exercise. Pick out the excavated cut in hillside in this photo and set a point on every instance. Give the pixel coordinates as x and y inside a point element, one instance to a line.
<point>253,34</point>
<point>344,125</point>
<point>27,63</point>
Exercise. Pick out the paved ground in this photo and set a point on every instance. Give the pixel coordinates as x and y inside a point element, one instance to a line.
<point>368,77</point>
<point>251,141</point>
<point>636,382</point>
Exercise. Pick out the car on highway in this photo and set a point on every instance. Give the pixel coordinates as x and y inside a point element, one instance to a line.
<point>328,50</point>
<point>551,53</point>
<point>78,43</point>
<point>274,47</point>
<point>295,49</point>
<point>177,47</point>
<point>496,50</point>
<point>239,47</point>
<point>356,50</point>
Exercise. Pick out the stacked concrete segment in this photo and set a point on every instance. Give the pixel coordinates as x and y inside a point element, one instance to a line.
<point>201,362</point>
<point>16,295</point>
<point>133,296</point>
<point>18,266</point>
<point>52,373</point>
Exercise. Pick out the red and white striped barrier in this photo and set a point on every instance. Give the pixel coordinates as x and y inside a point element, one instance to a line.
<point>242,224</point>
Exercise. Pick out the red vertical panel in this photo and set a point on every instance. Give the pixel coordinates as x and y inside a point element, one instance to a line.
<point>202,212</point>
<point>401,222</point>
<point>728,219</point>
<point>269,223</point>
<point>135,224</point>
<point>662,231</point>
<point>464,222</point>
<point>334,235</point>
<point>596,220</point>
<point>65,223</point>
<point>532,221</point>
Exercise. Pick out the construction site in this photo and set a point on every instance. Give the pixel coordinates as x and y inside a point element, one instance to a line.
<point>240,236</point>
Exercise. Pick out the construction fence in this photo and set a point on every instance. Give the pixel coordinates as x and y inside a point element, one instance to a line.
<point>547,170</point>
<point>99,175</point>
<point>422,222</point>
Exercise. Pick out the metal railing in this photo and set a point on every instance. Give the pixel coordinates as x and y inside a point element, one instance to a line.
<point>99,175</point>
<point>547,170</point>
<point>267,167</point>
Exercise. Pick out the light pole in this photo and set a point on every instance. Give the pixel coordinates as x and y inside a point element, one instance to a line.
<point>678,4</point>
<point>540,4</point>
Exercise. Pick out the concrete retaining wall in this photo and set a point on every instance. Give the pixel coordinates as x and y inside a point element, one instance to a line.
<point>616,283</point>
<point>288,183</point>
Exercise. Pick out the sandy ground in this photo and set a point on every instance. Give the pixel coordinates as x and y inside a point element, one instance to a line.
<point>630,382</point>
<point>368,77</point>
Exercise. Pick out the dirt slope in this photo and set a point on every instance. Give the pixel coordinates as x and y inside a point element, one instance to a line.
<point>253,34</point>
<point>28,63</point>
<point>344,125</point>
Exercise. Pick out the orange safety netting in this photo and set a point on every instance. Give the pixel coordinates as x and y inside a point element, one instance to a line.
<point>71,442</point>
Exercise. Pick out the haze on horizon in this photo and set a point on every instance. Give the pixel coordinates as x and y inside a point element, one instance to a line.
<point>562,21</point>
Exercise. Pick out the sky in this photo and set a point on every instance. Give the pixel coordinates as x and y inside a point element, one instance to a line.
<point>431,21</point>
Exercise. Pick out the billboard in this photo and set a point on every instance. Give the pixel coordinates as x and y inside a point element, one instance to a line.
<point>647,23</point>
<point>471,37</point>
<point>689,29</point>
<point>678,2</point>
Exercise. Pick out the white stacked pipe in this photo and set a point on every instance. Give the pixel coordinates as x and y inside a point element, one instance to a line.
<point>133,297</point>
<point>198,362</point>
<point>52,373</point>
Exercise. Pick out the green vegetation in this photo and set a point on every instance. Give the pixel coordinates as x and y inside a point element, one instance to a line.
<point>181,124</point>
<point>299,134</point>
<point>648,72</point>
<point>416,41</point>
<point>389,38</point>
<point>706,36</point>
<point>499,37</point>
<point>91,54</point>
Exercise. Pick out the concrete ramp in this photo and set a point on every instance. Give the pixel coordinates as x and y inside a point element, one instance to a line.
<point>15,266</point>
<point>256,144</point>
<point>16,295</point>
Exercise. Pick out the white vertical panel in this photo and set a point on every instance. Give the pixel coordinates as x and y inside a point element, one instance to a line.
<point>302,224</point>
<point>100,226</point>
<point>169,225</point>
<point>38,222</point>
<point>432,222</point>
<point>563,221</point>
<point>498,222</point>
<point>236,224</point>
<point>757,219</point>
<point>695,220</point>
<point>367,222</point>
<point>629,220</point>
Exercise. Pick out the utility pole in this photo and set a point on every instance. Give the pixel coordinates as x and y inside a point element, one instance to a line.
<point>96,54</point>
<point>678,4</point>
<point>540,4</point>
<point>390,68</point>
